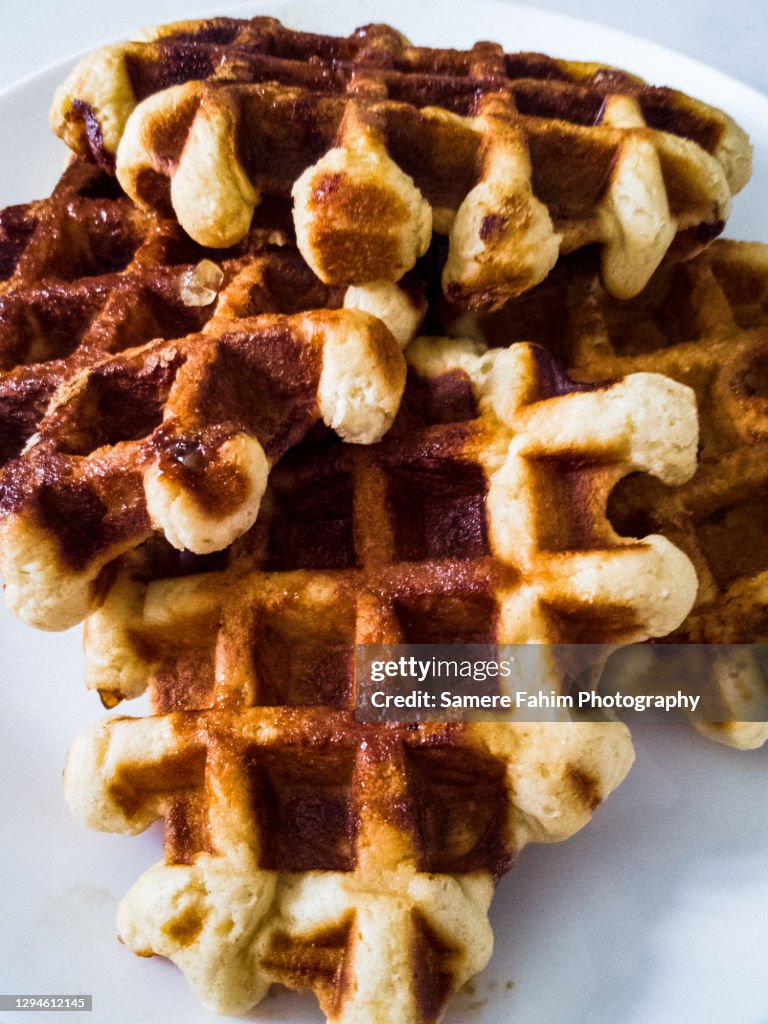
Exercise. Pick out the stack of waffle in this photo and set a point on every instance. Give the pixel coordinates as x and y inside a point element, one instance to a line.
<point>216,452</point>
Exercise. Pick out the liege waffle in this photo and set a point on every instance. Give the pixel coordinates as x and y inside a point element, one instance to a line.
<point>517,157</point>
<point>146,384</point>
<point>704,323</point>
<point>481,515</point>
<point>305,849</point>
<point>356,859</point>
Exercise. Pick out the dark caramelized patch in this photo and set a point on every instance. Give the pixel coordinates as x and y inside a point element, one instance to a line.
<point>492,227</point>
<point>184,62</point>
<point>267,385</point>
<point>130,406</point>
<point>74,514</point>
<point>21,409</point>
<point>120,402</point>
<point>174,774</point>
<point>690,241</point>
<point>564,102</point>
<point>666,111</point>
<point>318,961</point>
<point>48,323</point>
<point>568,514</point>
<point>734,540</point>
<point>538,316</point>
<point>289,286</point>
<point>172,563</point>
<point>460,802</point>
<point>448,398</point>
<point>447,618</point>
<point>303,657</point>
<point>185,928</point>
<point>305,807</point>
<point>751,380</point>
<point>431,963</point>
<point>634,514</point>
<point>585,786</point>
<point>553,381</point>
<point>96,242</point>
<point>101,186</point>
<point>579,624</point>
<point>154,189</point>
<point>187,834</point>
<point>534,65</point>
<point>17,224</point>
<point>570,170</point>
<point>421,90</point>
<point>216,31</point>
<point>312,527</point>
<point>94,134</point>
<point>163,315</point>
<point>667,313</point>
<point>439,510</point>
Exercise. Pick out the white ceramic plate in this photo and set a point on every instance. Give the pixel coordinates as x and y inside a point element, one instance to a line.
<point>657,913</point>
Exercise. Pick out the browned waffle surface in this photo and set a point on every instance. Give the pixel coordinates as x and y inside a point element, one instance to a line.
<point>480,518</point>
<point>354,861</point>
<point>705,323</point>
<point>147,384</point>
<point>302,846</point>
<point>517,157</point>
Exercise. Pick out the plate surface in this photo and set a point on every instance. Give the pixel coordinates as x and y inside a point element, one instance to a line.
<point>654,914</point>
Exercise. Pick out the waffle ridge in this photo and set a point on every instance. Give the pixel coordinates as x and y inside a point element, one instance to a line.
<point>382,142</point>
<point>304,849</point>
<point>705,323</point>
<point>146,386</point>
<point>376,844</point>
<point>487,497</point>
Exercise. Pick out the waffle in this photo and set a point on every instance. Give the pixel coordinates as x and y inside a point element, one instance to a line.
<point>303,849</point>
<point>147,384</point>
<point>704,323</point>
<point>358,860</point>
<point>517,157</point>
<point>481,516</point>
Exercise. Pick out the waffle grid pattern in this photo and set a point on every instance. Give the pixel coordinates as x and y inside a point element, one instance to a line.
<point>382,142</point>
<point>704,323</point>
<point>303,849</point>
<point>368,852</point>
<point>450,530</point>
<point>145,386</point>
<point>171,372</point>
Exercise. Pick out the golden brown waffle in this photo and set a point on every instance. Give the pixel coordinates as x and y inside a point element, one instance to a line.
<point>305,849</point>
<point>704,323</point>
<point>146,384</point>
<point>479,519</point>
<point>517,157</point>
<point>356,859</point>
